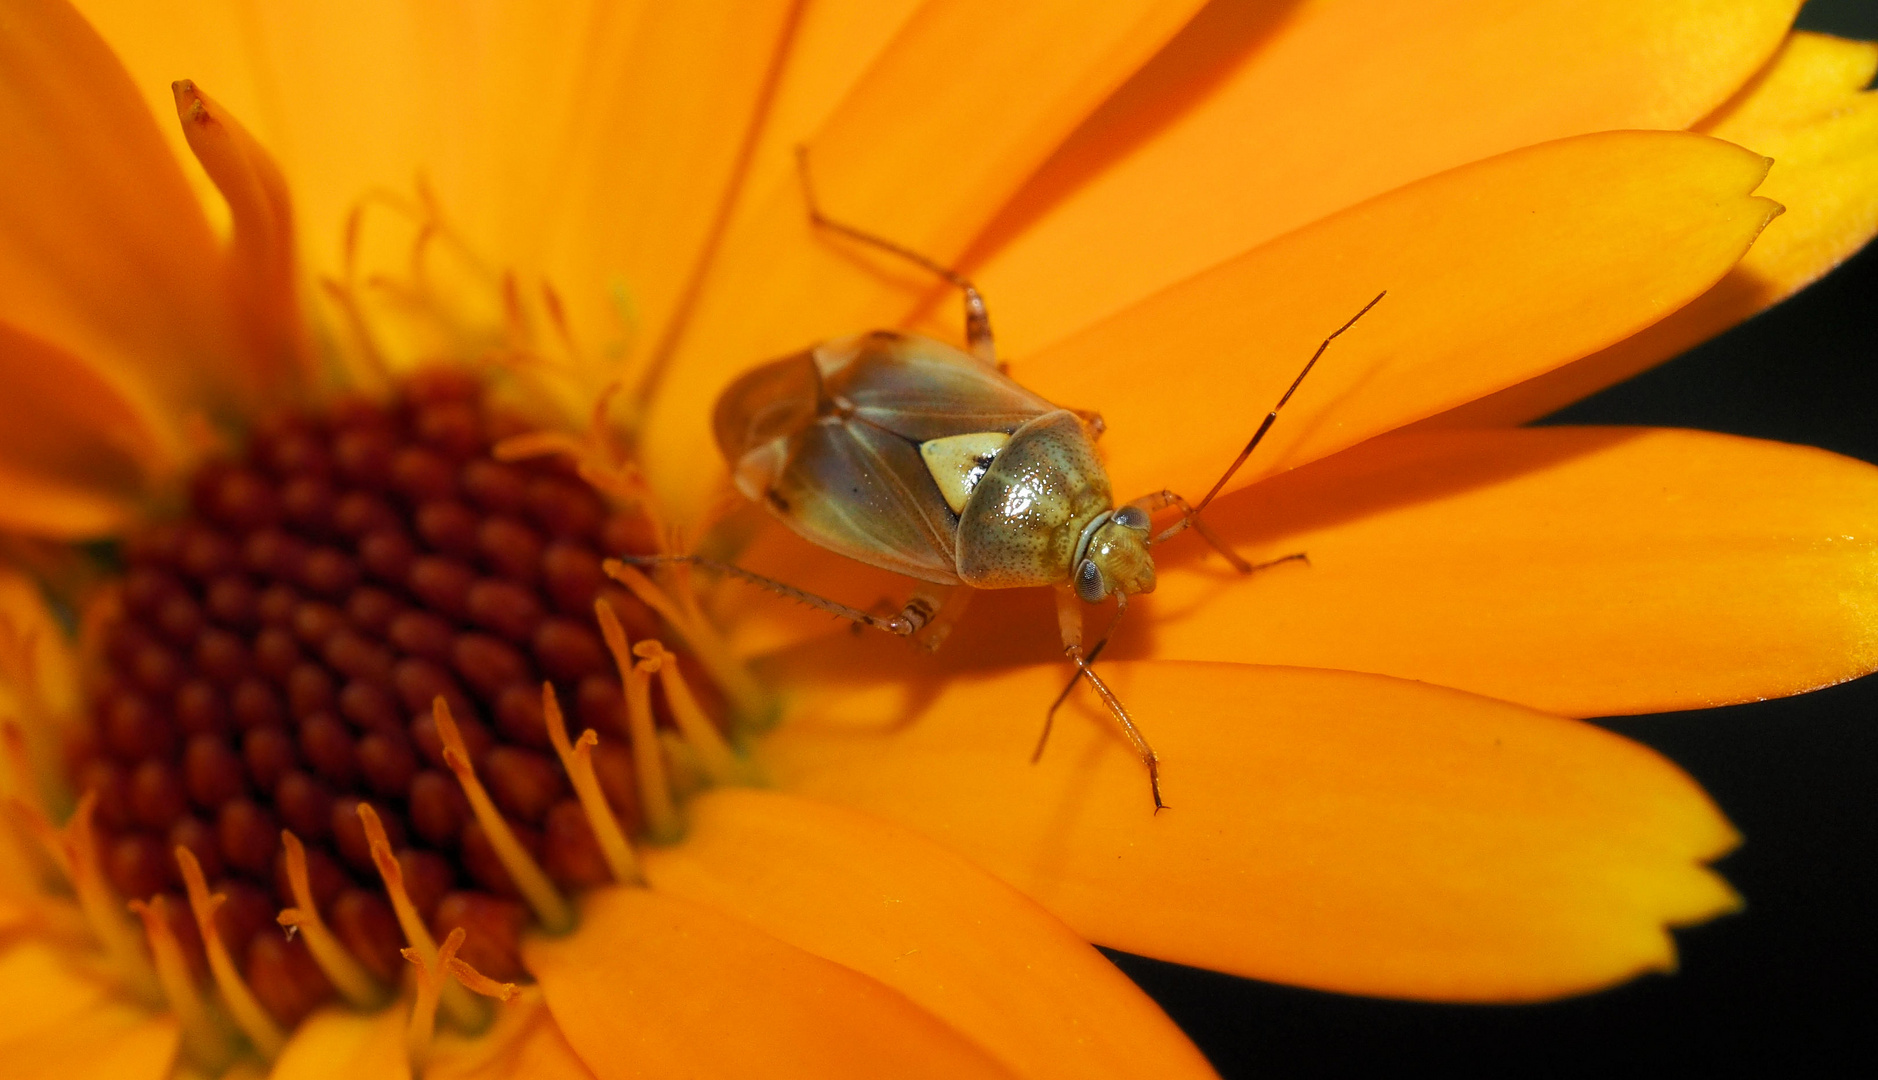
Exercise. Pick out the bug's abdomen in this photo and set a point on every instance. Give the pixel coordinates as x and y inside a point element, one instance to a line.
<point>1021,523</point>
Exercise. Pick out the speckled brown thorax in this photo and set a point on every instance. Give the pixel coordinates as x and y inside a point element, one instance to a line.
<point>276,653</point>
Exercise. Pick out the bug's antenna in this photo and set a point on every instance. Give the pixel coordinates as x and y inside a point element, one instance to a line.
<point>1266,424</point>
<point>977,319</point>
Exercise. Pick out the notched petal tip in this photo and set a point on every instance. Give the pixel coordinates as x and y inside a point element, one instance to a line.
<point>261,258</point>
<point>189,104</point>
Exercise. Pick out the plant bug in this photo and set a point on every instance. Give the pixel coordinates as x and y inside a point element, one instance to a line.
<point>905,453</point>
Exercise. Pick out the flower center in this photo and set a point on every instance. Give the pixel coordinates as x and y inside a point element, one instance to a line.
<point>275,658</point>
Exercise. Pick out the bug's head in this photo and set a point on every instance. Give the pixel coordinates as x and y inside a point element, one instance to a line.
<point>1116,559</point>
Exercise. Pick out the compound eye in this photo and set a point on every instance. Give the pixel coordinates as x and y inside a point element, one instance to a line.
<point>1089,585</point>
<point>1132,517</point>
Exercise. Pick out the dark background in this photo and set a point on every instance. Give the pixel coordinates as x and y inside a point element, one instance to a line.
<point>1790,986</point>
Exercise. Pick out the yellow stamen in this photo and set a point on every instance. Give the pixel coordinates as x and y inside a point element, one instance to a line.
<point>539,444</point>
<point>365,362</point>
<point>749,701</point>
<point>595,455</point>
<point>342,969</point>
<point>74,850</point>
<point>577,759</point>
<point>27,808</point>
<point>465,1011</point>
<point>253,1020</point>
<point>203,1035</point>
<point>432,982</point>
<point>655,793</point>
<point>720,763</point>
<point>20,764</point>
<point>550,907</point>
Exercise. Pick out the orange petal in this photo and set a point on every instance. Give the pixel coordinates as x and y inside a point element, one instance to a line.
<point>1262,118</point>
<point>889,158</point>
<point>1342,831</point>
<point>659,143</point>
<point>585,142</point>
<point>339,1042</point>
<point>895,906</point>
<point>104,251</point>
<point>1584,571</point>
<point>1810,112</point>
<point>834,45</point>
<point>66,426</point>
<point>58,1025</point>
<point>1496,271</point>
<point>651,985</point>
<point>38,505</point>
<point>352,96</point>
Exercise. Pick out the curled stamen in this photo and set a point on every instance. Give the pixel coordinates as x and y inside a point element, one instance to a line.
<point>720,763</point>
<point>203,1035</point>
<point>249,1015</point>
<point>477,982</point>
<point>746,697</point>
<point>655,792</point>
<point>549,906</point>
<point>432,982</point>
<point>434,979</point>
<point>465,1011</point>
<point>74,850</point>
<point>577,759</point>
<point>342,969</point>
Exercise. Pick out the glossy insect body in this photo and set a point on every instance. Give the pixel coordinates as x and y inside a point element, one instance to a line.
<point>907,454</point>
<point>911,455</point>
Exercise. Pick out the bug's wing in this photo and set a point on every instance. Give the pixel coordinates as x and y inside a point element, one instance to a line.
<point>758,415</point>
<point>865,493</point>
<point>923,389</point>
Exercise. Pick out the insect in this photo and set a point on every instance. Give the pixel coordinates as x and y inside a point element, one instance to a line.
<point>908,454</point>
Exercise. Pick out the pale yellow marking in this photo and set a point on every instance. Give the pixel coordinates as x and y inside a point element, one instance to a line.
<point>958,462</point>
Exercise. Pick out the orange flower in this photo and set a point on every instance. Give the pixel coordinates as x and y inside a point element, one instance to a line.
<point>1375,784</point>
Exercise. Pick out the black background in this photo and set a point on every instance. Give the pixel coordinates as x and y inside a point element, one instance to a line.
<point>1788,987</point>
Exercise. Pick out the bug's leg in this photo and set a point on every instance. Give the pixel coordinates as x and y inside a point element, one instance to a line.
<point>1069,623</point>
<point>942,606</point>
<point>977,319</point>
<point>1190,519</point>
<point>898,625</point>
<point>883,607</point>
<point>1095,652</point>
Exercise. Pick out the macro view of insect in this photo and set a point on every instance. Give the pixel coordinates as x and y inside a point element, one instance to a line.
<point>913,456</point>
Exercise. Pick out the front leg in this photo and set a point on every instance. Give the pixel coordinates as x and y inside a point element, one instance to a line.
<point>1069,625</point>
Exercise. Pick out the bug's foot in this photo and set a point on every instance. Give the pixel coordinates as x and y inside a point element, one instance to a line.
<point>1296,556</point>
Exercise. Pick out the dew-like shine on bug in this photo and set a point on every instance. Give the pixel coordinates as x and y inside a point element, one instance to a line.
<point>908,454</point>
